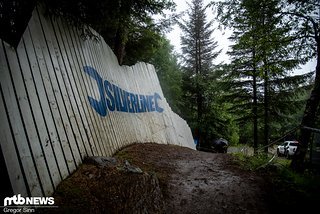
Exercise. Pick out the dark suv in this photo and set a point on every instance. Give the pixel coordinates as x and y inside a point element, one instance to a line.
<point>218,146</point>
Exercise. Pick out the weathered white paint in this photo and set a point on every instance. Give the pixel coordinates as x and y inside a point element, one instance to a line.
<point>47,123</point>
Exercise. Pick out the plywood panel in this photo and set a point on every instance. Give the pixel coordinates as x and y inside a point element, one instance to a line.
<point>52,93</point>
<point>8,143</point>
<point>55,70</point>
<point>73,92</point>
<point>49,120</point>
<point>17,124</point>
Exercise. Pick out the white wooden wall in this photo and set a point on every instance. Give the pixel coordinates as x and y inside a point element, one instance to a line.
<point>47,124</point>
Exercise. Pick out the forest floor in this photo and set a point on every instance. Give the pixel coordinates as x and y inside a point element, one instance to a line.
<point>154,178</point>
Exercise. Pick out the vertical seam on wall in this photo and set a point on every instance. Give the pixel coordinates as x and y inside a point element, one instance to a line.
<point>12,133</point>
<point>15,144</point>
<point>107,122</point>
<point>22,120</point>
<point>89,88</point>
<point>51,140</point>
<point>64,128</point>
<point>84,91</point>
<point>79,88</point>
<point>34,121</point>
<point>8,186</point>
<point>33,117</point>
<point>51,112</point>
<point>101,123</point>
<point>76,88</point>
<point>72,109</point>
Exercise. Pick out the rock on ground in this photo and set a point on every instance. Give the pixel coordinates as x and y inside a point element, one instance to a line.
<point>154,178</point>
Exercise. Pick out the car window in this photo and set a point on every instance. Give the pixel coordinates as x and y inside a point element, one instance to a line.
<point>294,144</point>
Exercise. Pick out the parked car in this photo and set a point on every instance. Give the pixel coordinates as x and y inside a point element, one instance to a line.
<point>220,145</point>
<point>287,149</point>
<point>216,146</point>
<point>291,149</point>
<point>281,149</point>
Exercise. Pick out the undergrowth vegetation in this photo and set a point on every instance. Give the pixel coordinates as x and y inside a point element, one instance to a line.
<point>289,191</point>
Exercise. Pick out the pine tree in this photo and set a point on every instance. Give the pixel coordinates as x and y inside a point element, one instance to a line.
<point>261,63</point>
<point>303,17</point>
<point>198,50</point>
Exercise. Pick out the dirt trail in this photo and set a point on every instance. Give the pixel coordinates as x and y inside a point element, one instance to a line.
<point>209,184</point>
<point>190,182</point>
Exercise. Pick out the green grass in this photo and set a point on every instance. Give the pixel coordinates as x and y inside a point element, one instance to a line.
<point>289,190</point>
<point>251,162</point>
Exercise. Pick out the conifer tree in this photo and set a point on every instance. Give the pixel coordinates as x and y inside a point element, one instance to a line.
<point>169,73</point>
<point>262,60</point>
<point>198,51</point>
<point>303,17</point>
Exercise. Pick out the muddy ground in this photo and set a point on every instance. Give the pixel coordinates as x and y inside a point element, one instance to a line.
<point>172,180</point>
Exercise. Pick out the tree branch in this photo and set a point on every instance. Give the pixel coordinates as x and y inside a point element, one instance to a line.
<point>309,19</point>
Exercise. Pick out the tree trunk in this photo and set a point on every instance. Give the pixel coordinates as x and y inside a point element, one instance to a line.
<point>199,118</point>
<point>119,45</point>
<point>308,119</point>
<point>266,80</point>
<point>266,108</point>
<point>199,88</point>
<point>255,104</point>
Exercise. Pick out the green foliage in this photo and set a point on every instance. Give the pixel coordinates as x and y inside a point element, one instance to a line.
<point>251,162</point>
<point>291,190</point>
<point>125,25</point>
<point>288,190</point>
<point>261,89</point>
<point>281,171</point>
<point>169,74</point>
<point>142,45</point>
<point>302,17</point>
<point>205,111</point>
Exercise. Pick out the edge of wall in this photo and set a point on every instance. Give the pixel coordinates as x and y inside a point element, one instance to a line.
<point>54,94</point>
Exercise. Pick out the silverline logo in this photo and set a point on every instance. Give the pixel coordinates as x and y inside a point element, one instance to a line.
<point>29,201</point>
